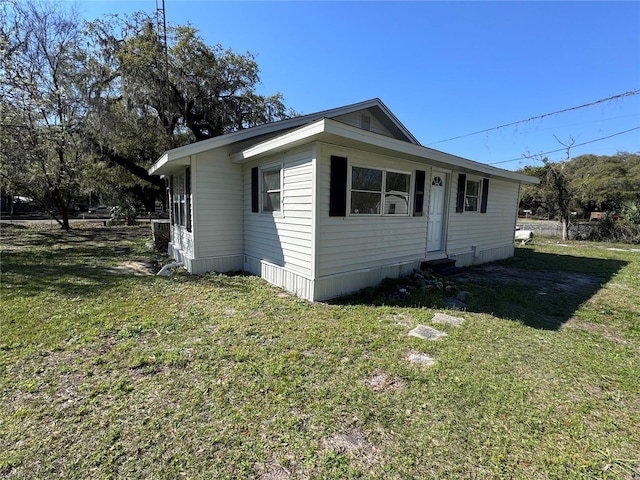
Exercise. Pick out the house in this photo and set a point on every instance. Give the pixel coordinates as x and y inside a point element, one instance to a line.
<point>329,203</point>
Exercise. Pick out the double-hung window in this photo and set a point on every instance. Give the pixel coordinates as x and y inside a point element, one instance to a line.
<point>271,189</point>
<point>471,196</point>
<point>379,192</point>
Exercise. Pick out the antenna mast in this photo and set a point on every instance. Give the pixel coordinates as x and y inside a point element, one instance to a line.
<point>163,62</point>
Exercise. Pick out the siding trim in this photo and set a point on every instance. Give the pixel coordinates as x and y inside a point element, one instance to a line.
<point>315,206</point>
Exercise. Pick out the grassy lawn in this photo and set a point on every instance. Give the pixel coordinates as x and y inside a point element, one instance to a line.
<point>108,374</point>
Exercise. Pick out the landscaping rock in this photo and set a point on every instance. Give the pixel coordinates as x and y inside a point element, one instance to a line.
<point>448,319</point>
<point>464,296</point>
<point>450,289</point>
<point>420,358</point>
<point>426,333</point>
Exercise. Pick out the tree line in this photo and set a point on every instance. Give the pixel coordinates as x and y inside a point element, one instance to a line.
<point>573,189</point>
<point>88,106</point>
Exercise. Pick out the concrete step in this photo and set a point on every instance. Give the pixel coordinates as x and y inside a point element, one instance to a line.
<point>444,266</point>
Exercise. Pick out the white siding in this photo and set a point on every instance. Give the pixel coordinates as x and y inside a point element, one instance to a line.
<point>487,232</point>
<point>283,238</point>
<point>355,120</point>
<point>336,285</point>
<point>217,213</point>
<point>293,282</point>
<point>231,263</point>
<point>352,243</point>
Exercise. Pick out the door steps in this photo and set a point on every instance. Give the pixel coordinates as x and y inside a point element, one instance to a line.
<point>445,267</point>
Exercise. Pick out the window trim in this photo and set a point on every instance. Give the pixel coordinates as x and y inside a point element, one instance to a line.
<point>482,196</point>
<point>383,192</point>
<point>478,195</point>
<point>270,168</point>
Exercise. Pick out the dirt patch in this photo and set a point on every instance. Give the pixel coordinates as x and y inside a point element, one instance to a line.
<point>401,319</point>
<point>544,282</point>
<point>132,268</point>
<point>606,331</point>
<point>354,444</point>
<point>380,381</point>
<point>273,472</point>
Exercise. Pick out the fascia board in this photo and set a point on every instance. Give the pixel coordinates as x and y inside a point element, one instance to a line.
<point>423,154</point>
<point>287,140</point>
<point>159,164</point>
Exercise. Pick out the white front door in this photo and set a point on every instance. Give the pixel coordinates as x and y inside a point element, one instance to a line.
<point>435,224</point>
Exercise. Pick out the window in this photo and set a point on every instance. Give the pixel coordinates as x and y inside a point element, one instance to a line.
<point>472,192</point>
<point>379,192</point>
<point>271,189</point>
<point>180,189</point>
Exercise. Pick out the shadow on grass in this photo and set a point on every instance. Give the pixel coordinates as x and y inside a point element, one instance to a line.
<point>541,290</point>
<point>74,263</point>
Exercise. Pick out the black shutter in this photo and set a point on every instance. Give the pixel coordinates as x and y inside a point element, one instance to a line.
<point>338,187</point>
<point>485,195</point>
<point>418,196</point>
<point>255,194</point>
<point>462,185</point>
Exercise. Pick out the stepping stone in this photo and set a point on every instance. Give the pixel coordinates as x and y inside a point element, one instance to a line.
<point>426,333</point>
<point>421,358</point>
<point>448,319</point>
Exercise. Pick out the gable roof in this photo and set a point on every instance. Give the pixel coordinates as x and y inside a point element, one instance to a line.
<point>375,106</point>
<point>338,133</point>
<point>269,138</point>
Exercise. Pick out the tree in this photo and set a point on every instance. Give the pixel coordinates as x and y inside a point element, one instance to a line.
<point>595,183</point>
<point>42,115</point>
<point>188,92</point>
<point>553,193</point>
<point>604,182</point>
<point>75,102</point>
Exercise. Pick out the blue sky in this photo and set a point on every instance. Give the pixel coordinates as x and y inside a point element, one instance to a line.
<point>445,69</point>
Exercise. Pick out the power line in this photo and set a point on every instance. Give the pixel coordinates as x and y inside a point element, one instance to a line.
<point>608,99</point>
<point>564,149</point>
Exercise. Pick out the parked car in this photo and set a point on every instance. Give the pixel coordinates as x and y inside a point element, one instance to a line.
<point>100,210</point>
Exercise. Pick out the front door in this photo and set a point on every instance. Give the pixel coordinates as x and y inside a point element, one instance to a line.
<point>435,224</point>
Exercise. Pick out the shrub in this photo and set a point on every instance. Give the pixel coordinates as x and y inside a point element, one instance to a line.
<point>609,230</point>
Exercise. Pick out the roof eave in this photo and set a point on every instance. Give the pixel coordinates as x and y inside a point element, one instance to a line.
<point>173,155</point>
<point>324,127</point>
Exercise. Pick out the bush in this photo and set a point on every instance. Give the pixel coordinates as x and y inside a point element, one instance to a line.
<point>608,230</point>
<point>125,212</point>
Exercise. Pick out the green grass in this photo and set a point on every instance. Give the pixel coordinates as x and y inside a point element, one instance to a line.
<point>121,376</point>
